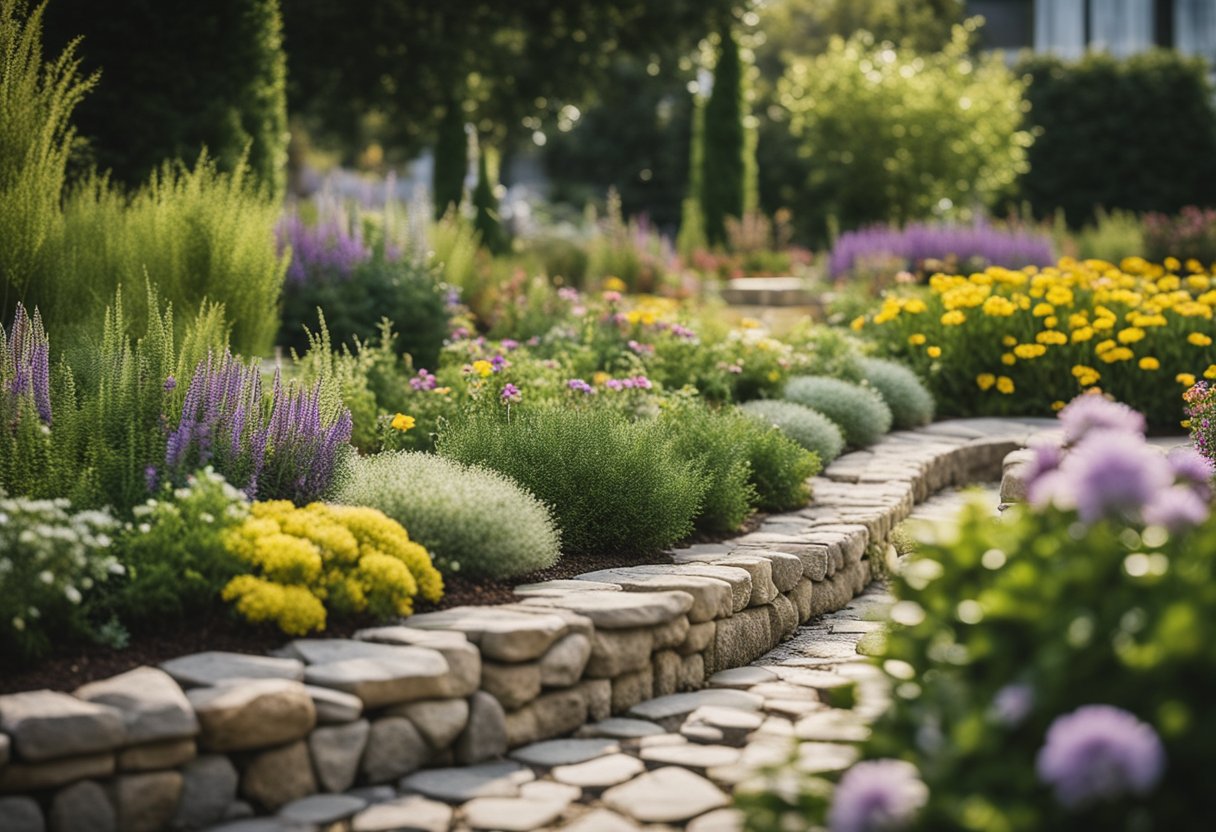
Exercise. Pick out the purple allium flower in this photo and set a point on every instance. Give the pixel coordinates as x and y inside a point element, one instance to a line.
<point>510,393</point>
<point>1177,508</point>
<point>877,795</point>
<point>1108,475</point>
<point>1089,412</point>
<point>1013,703</point>
<point>1099,752</point>
<point>1192,468</point>
<point>580,386</point>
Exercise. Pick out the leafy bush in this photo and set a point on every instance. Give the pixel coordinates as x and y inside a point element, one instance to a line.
<point>924,247</point>
<point>174,552</point>
<point>1105,136</point>
<point>1099,592</point>
<point>614,485</point>
<point>1030,340</point>
<point>472,520</point>
<point>308,561</point>
<point>910,402</point>
<point>780,466</point>
<point>1113,236</point>
<point>1201,413</point>
<point>1191,235</point>
<point>49,559</point>
<point>941,132</point>
<point>717,444</point>
<point>809,428</point>
<point>861,414</point>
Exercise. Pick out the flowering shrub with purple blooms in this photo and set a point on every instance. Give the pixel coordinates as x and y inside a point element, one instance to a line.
<point>1053,670</point>
<point>1190,234</point>
<point>1201,413</point>
<point>923,247</point>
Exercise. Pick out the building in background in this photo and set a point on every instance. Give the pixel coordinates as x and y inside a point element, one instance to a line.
<point>1121,27</point>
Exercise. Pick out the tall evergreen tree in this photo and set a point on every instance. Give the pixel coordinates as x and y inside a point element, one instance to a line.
<point>723,170</point>
<point>486,220</point>
<point>451,160</point>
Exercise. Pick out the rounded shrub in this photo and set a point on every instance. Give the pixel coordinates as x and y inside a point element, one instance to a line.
<point>714,442</point>
<point>806,426</point>
<point>780,466</point>
<point>910,401</point>
<point>614,485</point>
<point>861,413</point>
<point>471,520</point>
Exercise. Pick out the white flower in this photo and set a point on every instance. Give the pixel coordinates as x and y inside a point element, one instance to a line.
<point>73,594</point>
<point>46,577</point>
<point>144,528</point>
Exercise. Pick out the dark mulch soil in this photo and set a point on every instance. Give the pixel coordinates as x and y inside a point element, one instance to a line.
<point>76,665</point>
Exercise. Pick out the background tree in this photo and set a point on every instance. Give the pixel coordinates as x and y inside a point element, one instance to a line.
<point>176,79</point>
<point>485,204</point>
<point>723,167</point>
<point>451,159</point>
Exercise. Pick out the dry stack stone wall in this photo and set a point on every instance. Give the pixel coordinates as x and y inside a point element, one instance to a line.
<point>216,736</point>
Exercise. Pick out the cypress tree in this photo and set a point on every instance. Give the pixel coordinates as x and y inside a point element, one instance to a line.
<point>723,170</point>
<point>486,220</point>
<point>451,160</point>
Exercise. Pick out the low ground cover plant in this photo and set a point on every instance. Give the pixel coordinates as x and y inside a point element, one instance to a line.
<point>1053,670</point>
<point>910,401</point>
<point>474,521</point>
<point>860,412</point>
<point>806,426</point>
<point>1025,341</point>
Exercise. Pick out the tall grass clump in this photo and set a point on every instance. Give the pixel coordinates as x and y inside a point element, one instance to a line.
<point>715,444</point>
<point>615,486</point>
<point>37,98</point>
<point>472,520</point>
<point>861,413</point>
<point>809,428</point>
<point>198,234</point>
<point>910,401</point>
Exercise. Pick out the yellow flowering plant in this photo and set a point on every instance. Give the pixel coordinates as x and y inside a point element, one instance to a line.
<point>1017,341</point>
<point>305,562</point>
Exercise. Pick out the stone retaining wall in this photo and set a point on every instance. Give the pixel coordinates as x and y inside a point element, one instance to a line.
<point>216,736</point>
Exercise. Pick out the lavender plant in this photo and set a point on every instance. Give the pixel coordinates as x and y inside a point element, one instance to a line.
<point>284,446</point>
<point>978,245</point>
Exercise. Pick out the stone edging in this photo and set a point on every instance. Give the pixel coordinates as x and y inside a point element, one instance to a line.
<point>212,736</point>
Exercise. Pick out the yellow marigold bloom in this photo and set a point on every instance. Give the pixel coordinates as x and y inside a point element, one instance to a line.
<point>1052,337</point>
<point>1130,335</point>
<point>1042,310</point>
<point>1059,296</point>
<point>1008,359</point>
<point>599,378</point>
<point>1009,341</point>
<point>984,381</point>
<point>1172,263</point>
<point>1077,320</point>
<point>402,422</point>
<point>1103,323</point>
<point>1198,339</point>
<point>857,323</point>
<point>934,352</point>
<point>1051,322</point>
<point>1210,372</point>
<point>1195,309</point>
<point>614,284</point>
<point>1057,405</point>
<point>774,375</point>
<point>955,317</point>
<point>1029,351</point>
<point>916,339</point>
<point>442,391</point>
<point>999,307</point>
<point>1004,384</point>
<point>1193,265</point>
<point>1105,346</point>
<point>482,367</point>
<point>915,306</point>
<point>1083,334</point>
<point>1117,354</point>
<point>1185,379</point>
<point>1149,363</point>
<point>1086,376</point>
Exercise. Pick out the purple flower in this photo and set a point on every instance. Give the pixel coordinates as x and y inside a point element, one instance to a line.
<point>423,381</point>
<point>510,344</point>
<point>25,367</point>
<point>534,341</point>
<point>170,384</point>
<point>877,795</point>
<point>498,363</point>
<point>918,242</point>
<point>1013,703</point>
<point>683,332</point>
<point>510,393</point>
<point>1177,508</point>
<point>642,383</point>
<point>614,384</point>
<point>332,248</point>
<point>1192,468</point>
<point>151,477</point>
<point>640,349</point>
<point>1100,752</point>
<point>580,386</point>
<point>1107,475</point>
<point>567,294</point>
<point>1089,412</point>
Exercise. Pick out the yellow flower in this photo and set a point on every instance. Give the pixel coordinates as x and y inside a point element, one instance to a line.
<point>1008,359</point>
<point>934,352</point>
<point>1086,376</point>
<point>1198,339</point>
<point>915,306</point>
<point>1004,384</point>
<point>1149,363</point>
<point>916,339</point>
<point>614,284</point>
<point>1057,405</point>
<point>1009,341</point>
<point>773,375</point>
<point>1105,346</point>
<point>1051,322</point>
<point>984,381</point>
<point>954,317</point>
<point>402,422</point>
<point>1117,354</point>
<point>999,307</point>
<point>858,323</point>
<point>599,378</point>
<point>1051,337</point>
<point>1083,334</point>
<point>1130,335</point>
<point>1210,372</point>
<point>1172,264</point>
<point>1193,265</point>
<point>1042,310</point>
<point>482,367</point>
<point>1029,351</point>
<point>749,323</point>
<point>1185,379</point>
<point>442,391</point>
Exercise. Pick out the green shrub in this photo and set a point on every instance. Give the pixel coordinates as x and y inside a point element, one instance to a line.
<point>910,401</point>
<point>472,520</point>
<point>37,99</point>
<point>1106,134</point>
<point>157,102</point>
<point>941,132</point>
<point>780,467</point>
<point>716,443</point>
<point>1112,236</point>
<point>50,558</point>
<point>827,351</point>
<point>614,485</point>
<point>861,413</point>
<point>809,428</point>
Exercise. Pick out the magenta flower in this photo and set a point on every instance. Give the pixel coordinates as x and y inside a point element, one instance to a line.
<point>1097,753</point>
<point>511,393</point>
<point>423,381</point>
<point>877,795</point>
<point>1106,475</point>
<point>1177,508</point>
<point>1090,412</point>
<point>580,386</point>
